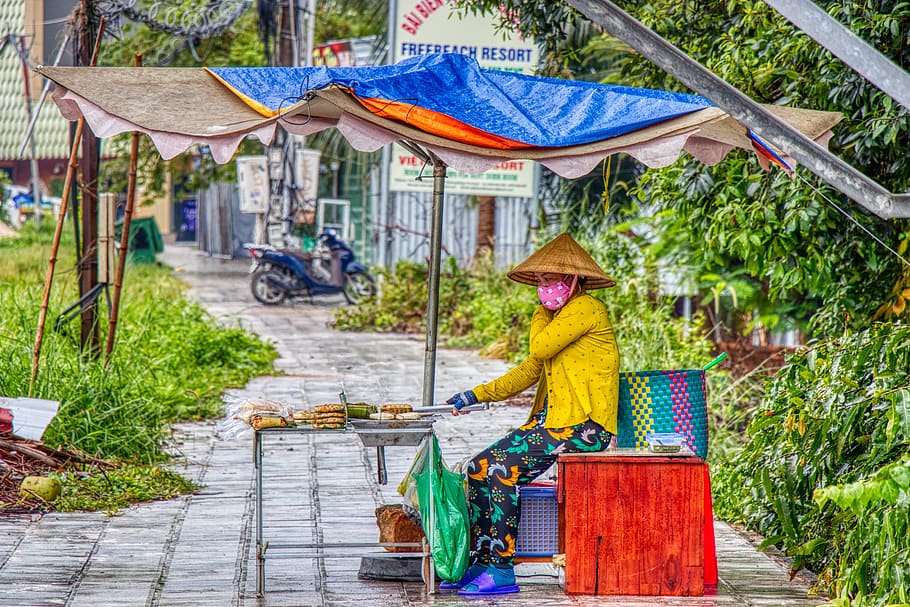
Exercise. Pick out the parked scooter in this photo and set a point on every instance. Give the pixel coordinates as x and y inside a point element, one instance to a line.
<point>330,268</point>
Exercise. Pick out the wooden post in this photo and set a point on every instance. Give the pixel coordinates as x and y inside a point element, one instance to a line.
<point>124,237</point>
<point>486,225</point>
<point>49,275</point>
<point>88,266</point>
<point>74,206</point>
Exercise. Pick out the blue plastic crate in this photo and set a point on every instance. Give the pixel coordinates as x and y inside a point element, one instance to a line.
<point>538,529</point>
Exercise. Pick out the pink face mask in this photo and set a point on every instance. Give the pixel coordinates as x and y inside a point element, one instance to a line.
<point>555,296</point>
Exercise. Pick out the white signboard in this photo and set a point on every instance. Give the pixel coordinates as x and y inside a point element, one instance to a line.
<point>253,183</point>
<point>307,175</point>
<point>430,26</point>
<point>31,416</point>
<point>510,178</point>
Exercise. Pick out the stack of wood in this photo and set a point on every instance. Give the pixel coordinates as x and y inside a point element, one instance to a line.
<point>20,458</point>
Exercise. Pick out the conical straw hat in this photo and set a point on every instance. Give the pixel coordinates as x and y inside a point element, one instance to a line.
<point>562,255</point>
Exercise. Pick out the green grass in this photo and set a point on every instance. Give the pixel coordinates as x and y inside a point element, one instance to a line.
<point>171,362</point>
<point>112,491</point>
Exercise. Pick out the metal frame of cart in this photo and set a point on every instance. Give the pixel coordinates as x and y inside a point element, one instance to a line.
<point>379,437</point>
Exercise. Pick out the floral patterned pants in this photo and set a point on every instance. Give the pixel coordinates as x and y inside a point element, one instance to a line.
<point>495,474</point>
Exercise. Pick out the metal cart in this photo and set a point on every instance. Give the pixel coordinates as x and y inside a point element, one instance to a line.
<point>379,435</point>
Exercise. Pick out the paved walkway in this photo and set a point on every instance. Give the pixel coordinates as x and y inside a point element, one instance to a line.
<point>199,550</point>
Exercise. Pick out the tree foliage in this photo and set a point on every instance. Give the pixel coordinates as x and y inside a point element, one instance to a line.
<point>340,19</point>
<point>239,45</point>
<point>808,260</point>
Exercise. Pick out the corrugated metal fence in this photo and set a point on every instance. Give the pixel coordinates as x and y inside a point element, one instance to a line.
<point>401,234</point>
<point>222,229</point>
<point>406,230</point>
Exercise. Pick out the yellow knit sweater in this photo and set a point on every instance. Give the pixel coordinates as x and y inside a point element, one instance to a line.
<point>574,360</point>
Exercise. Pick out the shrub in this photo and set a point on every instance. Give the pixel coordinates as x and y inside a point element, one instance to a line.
<point>832,429</point>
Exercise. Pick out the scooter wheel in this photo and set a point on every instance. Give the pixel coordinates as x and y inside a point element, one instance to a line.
<point>358,286</point>
<point>264,288</point>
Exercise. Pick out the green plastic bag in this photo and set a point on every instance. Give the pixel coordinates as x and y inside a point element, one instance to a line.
<point>444,518</point>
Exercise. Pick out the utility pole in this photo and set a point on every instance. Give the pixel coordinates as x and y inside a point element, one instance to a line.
<point>281,151</point>
<point>88,262</point>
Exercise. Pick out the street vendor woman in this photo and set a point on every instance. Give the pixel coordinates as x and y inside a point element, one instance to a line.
<point>574,361</point>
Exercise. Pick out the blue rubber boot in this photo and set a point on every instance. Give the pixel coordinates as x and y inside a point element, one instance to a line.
<point>472,572</point>
<point>493,580</point>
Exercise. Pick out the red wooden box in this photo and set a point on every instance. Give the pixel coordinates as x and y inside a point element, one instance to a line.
<point>632,522</point>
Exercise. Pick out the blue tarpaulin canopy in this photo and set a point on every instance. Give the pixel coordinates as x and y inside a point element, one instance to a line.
<point>443,107</point>
<point>470,118</point>
<point>529,111</point>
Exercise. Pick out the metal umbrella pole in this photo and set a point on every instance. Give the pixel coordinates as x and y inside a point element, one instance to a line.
<point>433,267</point>
<point>432,322</point>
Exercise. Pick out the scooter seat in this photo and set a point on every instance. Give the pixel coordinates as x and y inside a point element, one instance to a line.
<point>302,255</point>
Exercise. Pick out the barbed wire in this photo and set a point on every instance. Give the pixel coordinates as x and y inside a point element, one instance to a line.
<point>185,20</point>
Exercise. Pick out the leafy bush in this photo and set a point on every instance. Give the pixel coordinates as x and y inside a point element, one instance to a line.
<point>402,301</point>
<point>833,428</point>
<point>492,314</point>
<point>872,558</point>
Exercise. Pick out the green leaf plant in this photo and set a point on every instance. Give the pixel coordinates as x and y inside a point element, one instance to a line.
<point>825,473</point>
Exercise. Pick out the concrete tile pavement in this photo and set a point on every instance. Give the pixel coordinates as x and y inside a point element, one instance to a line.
<point>319,488</point>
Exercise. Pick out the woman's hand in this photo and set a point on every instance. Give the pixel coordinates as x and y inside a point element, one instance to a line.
<point>460,400</point>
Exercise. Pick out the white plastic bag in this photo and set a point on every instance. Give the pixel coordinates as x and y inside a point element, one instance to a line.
<point>239,413</point>
<point>407,488</point>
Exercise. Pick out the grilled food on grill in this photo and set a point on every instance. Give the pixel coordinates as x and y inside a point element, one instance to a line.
<point>328,426</point>
<point>264,420</point>
<point>408,415</point>
<point>330,408</point>
<point>395,408</point>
